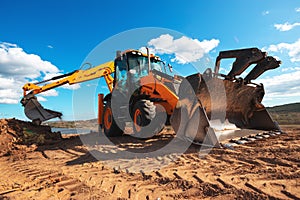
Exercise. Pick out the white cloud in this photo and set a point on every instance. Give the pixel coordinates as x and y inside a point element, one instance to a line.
<point>284,85</point>
<point>144,50</point>
<point>224,70</point>
<point>71,87</point>
<point>50,93</point>
<point>266,12</point>
<point>6,83</point>
<point>50,46</point>
<point>297,9</point>
<point>17,68</point>
<point>286,69</point>
<point>15,62</point>
<point>9,95</point>
<point>286,26</point>
<point>293,49</point>
<point>184,49</point>
<point>41,99</point>
<point>8,101</point>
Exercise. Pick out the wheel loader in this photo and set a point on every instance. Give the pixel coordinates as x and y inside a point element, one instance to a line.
<point>144,92</point>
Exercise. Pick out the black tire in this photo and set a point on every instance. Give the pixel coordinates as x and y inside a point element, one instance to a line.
<point>111,128</point>
<point>146,122</point>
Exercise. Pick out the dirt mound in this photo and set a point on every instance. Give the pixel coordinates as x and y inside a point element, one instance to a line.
<point>16,134</point>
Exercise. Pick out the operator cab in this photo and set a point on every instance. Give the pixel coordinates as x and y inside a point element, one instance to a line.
<point>131,65</point>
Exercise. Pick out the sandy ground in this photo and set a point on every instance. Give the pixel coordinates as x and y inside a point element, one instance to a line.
<point>264,169</point>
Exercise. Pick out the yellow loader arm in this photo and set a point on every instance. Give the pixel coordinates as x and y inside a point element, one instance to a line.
<point>38,114</point>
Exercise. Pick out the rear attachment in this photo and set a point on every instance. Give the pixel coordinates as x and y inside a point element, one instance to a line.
<point>209,97</point>
<point>35,111</point>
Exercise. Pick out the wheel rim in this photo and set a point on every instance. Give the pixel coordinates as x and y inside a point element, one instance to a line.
<point>107,118</point>
<point>137,120</point>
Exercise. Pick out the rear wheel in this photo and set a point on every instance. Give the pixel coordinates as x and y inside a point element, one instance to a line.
<point>111,128</point>
<point>146,122</point>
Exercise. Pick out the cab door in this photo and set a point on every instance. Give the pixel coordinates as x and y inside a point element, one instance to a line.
<point>121,76</point>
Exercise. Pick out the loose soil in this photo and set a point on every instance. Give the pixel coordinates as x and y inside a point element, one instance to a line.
<point>38,164</point>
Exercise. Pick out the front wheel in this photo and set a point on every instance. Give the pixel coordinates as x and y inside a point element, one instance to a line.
<point>111,128</point>
<point>146,121</point>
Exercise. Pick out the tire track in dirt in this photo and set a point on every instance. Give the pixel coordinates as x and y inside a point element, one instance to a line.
<point>266,169</point>
<point>181,179</point>
<point>108,181</point>
<point>45,179</point>
<point>251,161</point>
<point>59,154</point>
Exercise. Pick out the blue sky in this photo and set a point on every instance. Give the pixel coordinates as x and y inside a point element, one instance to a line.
<point>64,33</point>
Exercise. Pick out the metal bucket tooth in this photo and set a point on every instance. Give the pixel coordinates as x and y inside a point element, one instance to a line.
<point>239,104</point>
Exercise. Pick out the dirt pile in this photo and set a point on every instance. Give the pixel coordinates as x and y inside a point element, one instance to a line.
<point>16,134</point>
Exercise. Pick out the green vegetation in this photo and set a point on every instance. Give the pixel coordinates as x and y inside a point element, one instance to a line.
<point>293,107</point>
<point>62,124</point>
<point>73,124</point>
<point>286,114</point>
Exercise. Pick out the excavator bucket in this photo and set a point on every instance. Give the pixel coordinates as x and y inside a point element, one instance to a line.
<point>35,111</point>
<point>210,97</point>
